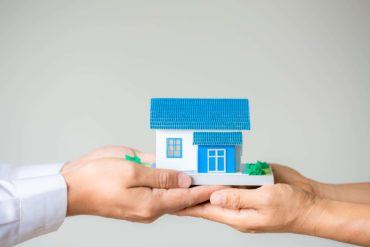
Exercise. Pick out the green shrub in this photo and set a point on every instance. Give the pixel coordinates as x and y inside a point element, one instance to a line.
<point>258,168</point>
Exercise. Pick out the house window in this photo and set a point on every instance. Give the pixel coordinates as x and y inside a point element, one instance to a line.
<point>174,147</point>
<point>216,160</point>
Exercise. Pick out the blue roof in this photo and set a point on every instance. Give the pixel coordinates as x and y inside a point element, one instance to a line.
<point>218,138</point>
<point>199,114</point>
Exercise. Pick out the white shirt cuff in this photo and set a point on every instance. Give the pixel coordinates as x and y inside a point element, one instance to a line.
<point>30,171</point>
<point>43,205</point>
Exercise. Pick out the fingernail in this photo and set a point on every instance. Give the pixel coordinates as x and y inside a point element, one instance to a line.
<point>217,199</point>
<point>184,180</point>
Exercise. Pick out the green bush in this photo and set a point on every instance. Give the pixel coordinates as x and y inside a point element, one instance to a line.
<point>258,168</point>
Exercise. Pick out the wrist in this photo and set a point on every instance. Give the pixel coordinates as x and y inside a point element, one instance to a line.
<point>68,166</point>
<point>308,218</point>
<point>310,211</point>
<point>68,177</point>
<point>325,190</point>
<point>317,188</point>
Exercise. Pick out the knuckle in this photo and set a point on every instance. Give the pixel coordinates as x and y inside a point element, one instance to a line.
<point>267,198</point>
<point>164,180</point>
<point>250,229</point>
<point>148,221</point>
<point>243,228</point>
<point>233,200</point>
<point>119,213</point>
<point>147,214</point>
<point>156,197</point>
<point>283,189</point>
<point>190,201</point>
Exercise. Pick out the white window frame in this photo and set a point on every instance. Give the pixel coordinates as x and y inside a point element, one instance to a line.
<point>170,154</point>
<point>216,156</point>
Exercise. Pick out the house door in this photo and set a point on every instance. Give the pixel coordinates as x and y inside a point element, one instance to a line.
<point>216,160</point>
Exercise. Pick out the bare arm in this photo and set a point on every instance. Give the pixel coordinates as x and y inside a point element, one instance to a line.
<point>356,192</point>
<point>287,208</point>
<point>342,221</point>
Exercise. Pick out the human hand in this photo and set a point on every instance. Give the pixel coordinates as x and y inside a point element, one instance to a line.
<point>270,208</point>
<point>353,192</point>
<point>108,152</point>
<point>101,183</point>
<point>287,175</point>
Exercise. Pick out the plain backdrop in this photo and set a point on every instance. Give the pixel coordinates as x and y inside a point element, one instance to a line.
<point>76,75</point>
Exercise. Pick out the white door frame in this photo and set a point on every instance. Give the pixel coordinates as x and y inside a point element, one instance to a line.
<point>216,156</point>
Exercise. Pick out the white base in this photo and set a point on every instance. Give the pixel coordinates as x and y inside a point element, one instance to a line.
<point>230,179</point>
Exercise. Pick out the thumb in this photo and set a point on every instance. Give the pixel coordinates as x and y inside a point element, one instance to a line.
<point>161,178</point>
<point>233,198</point>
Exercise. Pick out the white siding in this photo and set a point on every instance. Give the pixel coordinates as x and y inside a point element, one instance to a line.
<point>189,160</point>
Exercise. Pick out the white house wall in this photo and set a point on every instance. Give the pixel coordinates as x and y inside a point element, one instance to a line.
<point>189,160</point>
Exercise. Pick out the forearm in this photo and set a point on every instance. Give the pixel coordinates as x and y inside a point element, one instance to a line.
<point>356,192</point>
<point>341,221</point>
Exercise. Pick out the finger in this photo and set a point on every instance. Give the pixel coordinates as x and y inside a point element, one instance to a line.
<point>234,218</point>
<point>160,178</point>
<point>208,211</point>
<point>118,152</point>
<point>109,152</point>
<point>145,157</point>
<point>237,198</point>
<point>173,200</point>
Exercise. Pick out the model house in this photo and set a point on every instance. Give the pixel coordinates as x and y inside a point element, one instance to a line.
<point>203,137</point>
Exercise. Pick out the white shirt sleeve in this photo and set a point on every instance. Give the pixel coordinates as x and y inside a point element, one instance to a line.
<point>16,172</point>
<point>33,202</point>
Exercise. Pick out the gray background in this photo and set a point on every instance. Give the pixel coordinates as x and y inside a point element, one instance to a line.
<point>76,75</point>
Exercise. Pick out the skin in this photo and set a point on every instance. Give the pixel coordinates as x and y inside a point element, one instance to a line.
<point>295,204</point>
<point>354,192</point>
<point>102,183</point>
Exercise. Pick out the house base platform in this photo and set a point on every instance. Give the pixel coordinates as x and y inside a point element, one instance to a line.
<point>240,179</point>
